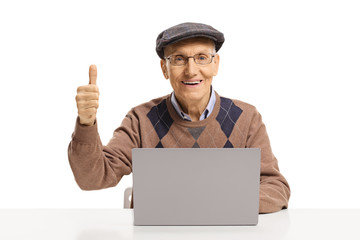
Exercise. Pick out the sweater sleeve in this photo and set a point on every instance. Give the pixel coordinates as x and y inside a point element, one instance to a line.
<point>96,166</point>
<point>274,189</point>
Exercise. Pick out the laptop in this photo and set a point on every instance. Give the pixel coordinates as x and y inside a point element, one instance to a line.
<point>196,186</point>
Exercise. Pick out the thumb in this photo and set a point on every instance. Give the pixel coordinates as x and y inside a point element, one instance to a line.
<point>92,74</point>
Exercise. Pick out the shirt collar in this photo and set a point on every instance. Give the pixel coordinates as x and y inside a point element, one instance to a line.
<point>208,110</point>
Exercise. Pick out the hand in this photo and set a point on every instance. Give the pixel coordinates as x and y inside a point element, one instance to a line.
<point>87,99</point>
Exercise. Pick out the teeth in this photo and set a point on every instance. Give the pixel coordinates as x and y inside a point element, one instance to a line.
<point>192,83</point>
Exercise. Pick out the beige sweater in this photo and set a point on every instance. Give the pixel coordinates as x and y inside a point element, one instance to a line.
<point>156,124</point>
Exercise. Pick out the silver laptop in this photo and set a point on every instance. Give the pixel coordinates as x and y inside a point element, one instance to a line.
<point>196,186</point>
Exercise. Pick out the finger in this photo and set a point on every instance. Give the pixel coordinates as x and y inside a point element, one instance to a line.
<point>88,88</point>
<point>87,113</point>
<point>88,104</point>
<point>87,96</point>
<point>92,74</point>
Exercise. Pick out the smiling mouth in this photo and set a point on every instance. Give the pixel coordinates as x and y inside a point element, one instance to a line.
<point>192,83</point>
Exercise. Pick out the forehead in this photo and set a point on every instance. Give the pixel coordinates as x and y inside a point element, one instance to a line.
<point>190,46</point>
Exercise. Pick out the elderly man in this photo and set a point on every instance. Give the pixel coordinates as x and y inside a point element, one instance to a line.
<point>193,115</point>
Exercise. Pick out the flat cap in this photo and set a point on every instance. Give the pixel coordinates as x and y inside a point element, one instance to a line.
<point>187,30</point>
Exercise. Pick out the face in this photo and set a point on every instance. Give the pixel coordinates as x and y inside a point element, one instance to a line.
<point>200,76</point>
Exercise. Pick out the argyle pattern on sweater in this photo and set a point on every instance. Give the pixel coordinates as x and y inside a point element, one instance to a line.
<point>227,116</point>
<point>231,124</point>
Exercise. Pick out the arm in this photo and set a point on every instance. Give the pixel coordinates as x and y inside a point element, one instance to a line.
<point>274,189</point>
<point>96,166</point>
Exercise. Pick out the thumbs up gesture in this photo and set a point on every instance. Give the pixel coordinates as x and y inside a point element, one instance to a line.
<point>87,99</point>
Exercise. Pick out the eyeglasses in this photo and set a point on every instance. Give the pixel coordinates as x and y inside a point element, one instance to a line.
<point>180,60</point>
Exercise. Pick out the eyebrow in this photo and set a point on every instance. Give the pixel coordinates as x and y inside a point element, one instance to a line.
<point>183,54</point>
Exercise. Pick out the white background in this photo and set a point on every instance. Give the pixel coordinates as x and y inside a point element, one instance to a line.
<point>296,61</point>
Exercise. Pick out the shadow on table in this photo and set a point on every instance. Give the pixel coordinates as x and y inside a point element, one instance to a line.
<point>99,234</point>
<point>270,226</point>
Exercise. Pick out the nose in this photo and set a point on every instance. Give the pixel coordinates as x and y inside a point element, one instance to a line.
<point>191,68</point>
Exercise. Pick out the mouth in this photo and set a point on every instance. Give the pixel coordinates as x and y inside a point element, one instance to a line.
<point>191,82</point>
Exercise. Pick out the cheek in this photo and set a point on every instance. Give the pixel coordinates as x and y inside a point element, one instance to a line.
<point>174,80</point>
<point>175,74</point>
<point>207,73</point>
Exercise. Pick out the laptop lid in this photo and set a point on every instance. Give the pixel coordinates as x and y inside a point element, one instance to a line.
<point>196,186</point>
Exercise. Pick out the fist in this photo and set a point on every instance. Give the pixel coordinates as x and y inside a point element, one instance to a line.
<point>87,99</point>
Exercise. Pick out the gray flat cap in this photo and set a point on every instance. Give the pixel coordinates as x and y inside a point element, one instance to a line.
<point>187,30</point>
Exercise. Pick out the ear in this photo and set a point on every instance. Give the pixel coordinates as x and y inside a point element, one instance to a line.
<point>216,64</point>
<point>163,68</point>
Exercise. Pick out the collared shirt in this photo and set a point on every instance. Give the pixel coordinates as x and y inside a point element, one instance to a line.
<point>209,108</point>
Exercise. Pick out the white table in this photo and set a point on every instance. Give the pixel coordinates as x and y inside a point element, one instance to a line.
<point>111,224</point>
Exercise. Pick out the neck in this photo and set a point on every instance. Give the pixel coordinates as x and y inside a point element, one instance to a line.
<point>193,108</point>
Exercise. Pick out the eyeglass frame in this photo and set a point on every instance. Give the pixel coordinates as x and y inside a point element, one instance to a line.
<point>193,57</point>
